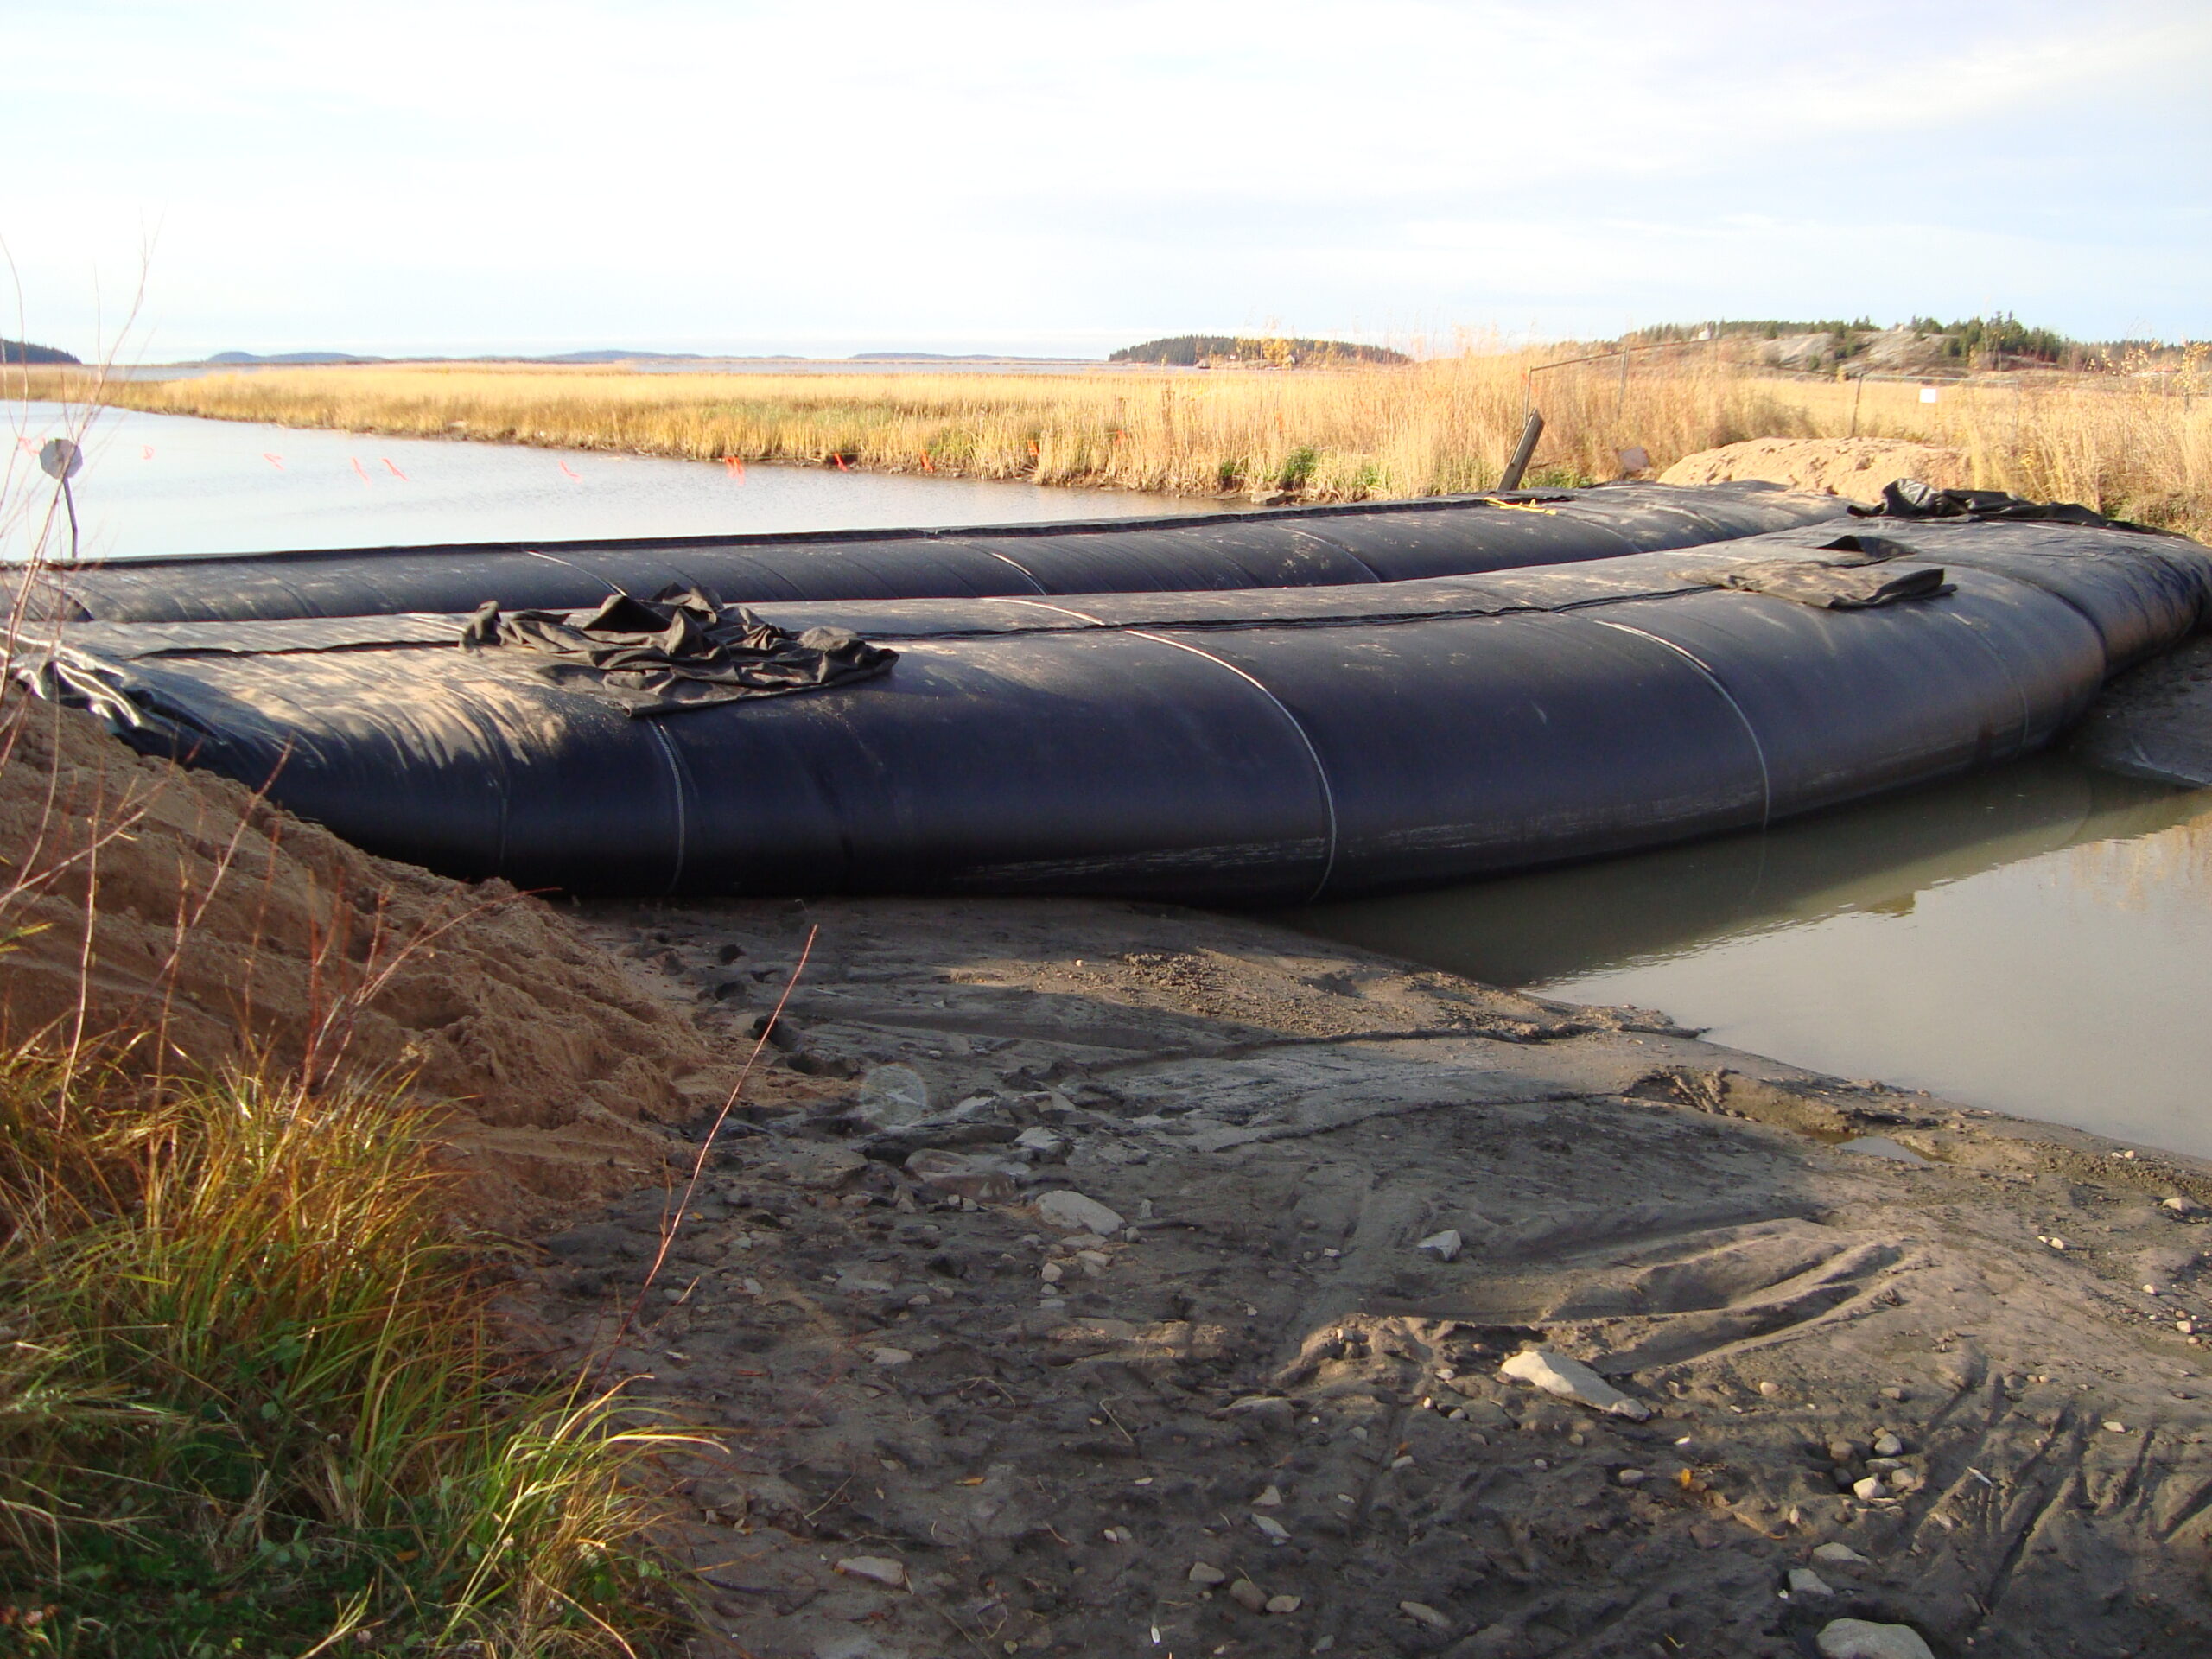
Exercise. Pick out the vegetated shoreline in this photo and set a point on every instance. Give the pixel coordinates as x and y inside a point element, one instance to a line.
<point>2135,448</point>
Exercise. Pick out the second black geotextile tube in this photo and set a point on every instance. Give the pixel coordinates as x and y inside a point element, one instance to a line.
<point>1264,747</point>
<point>1293,547</point>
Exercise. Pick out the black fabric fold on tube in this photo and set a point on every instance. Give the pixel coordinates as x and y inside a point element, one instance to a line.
<point>1852,581</point>
<point>682,649</point>
<point>1908,498</point>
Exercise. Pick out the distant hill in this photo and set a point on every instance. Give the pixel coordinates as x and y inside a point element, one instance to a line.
<point>1191,350</point>
<point>21,351</point>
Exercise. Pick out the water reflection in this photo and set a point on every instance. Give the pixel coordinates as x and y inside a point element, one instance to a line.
<point>157,484</point>
<point>2036,939</point>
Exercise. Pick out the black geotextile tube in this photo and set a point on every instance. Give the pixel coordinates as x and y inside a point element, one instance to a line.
<point>1293,547</point>
<point>1266,746</point>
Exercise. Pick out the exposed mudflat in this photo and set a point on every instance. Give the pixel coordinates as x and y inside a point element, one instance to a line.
<point>2157,720</point>
<point>962,1425</point>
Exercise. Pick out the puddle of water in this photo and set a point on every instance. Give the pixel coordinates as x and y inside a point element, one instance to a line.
<point>2036,939</point>
<point>156,484</point>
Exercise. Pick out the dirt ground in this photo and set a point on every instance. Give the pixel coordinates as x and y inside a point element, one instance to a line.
<point>1855,468</point>
<point>1248,1413</point>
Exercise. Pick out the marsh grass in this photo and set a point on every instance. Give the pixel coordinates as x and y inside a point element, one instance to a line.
<point>252,1396</point>
<point>2140,446</point>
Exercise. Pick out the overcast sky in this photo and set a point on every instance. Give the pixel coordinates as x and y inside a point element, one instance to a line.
<point>1040,177</point>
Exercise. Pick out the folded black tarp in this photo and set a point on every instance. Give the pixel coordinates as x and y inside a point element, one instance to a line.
<point>1263,747</point>
<point>1292,547</point>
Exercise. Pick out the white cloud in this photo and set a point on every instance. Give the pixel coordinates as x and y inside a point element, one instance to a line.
<point>471,175</point>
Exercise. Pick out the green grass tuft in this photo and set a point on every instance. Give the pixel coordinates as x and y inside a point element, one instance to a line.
<point>252,1401</point>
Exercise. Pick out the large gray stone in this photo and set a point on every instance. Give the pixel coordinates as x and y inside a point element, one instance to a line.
<point>1077,1214</point>
<point>892,1094</point>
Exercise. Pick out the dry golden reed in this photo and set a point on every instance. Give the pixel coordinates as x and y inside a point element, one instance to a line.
<point>2139,446</point>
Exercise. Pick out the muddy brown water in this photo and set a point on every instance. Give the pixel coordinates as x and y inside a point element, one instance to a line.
<point>2036,939</point>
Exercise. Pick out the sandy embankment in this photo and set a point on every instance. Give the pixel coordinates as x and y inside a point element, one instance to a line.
<point>1854,467</point>
<point>232,928</point>
<point>1251,1386</point>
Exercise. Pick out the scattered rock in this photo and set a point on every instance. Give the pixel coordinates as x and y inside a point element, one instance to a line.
<point>1839,1555</point>
<point>891,1095</point>
<point>1249,1596</point>
<point>1632,1477</point>
<point>1443,1246</point>
<point>2182,1205</point>
<point>1271,1527</point>
<point>1043,1144</point>
<point>1077,1213</point>
<point>1206,1575</point>
<point>889,1356</point>
<point>1868,1488</point>
<point>1857,1638</point>
<point>1887,1445</point>
<point>964,1175</point>
<point>1803,1581</point>
<point>1271,1498</point>
<point>2112,1427</point>
<point>1422,1613</point>
<point>1770,1389</point>
<point>1570,1379</point>
<point>1285,1603</point>
<point>878,1569</point>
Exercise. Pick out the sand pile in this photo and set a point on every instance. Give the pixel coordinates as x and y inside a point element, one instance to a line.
<point>1857,468</point>
<point>228,926</point>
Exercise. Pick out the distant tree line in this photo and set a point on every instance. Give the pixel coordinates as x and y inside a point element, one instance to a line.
<point>1984,341</point>
<point>19,351</point>
<point>1188,351</point>
<point>1988,339</point>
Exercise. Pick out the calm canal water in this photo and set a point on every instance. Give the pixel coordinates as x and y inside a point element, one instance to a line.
<point>2036,939</point>
<point>155,483</point>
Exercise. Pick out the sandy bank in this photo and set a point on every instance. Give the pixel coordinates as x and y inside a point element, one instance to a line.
<point>226,929</point>
<point>1855,468</point>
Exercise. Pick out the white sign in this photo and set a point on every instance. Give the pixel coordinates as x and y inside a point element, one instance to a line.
<point>1929,394</point>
